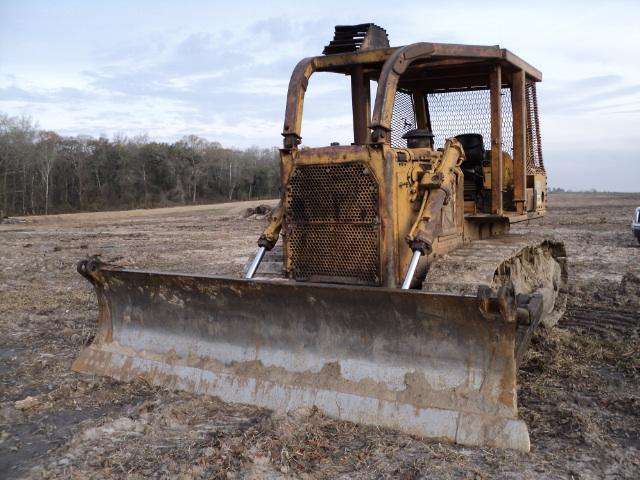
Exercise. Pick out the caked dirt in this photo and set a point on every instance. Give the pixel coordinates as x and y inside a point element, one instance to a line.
<point>579,386</point>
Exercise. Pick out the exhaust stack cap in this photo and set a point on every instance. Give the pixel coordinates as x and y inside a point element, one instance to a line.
<point>419,138</point>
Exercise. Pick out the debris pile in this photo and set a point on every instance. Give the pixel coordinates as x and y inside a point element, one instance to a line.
<point>257,213</point>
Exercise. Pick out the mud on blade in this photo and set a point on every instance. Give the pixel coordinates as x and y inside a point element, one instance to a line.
<point>433,365</point>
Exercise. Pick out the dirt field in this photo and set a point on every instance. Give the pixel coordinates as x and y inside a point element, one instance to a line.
<point>579,387</point>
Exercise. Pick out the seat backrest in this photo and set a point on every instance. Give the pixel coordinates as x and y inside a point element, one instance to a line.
<point>473,146</point>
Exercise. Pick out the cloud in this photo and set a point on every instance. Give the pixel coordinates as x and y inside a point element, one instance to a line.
<point>204,52</point>
<point>227,86</point>
<point>58,95</point>
<point>589,94</point>
<point>222,73</point>
<point>232,80</point>
<point>594,82</point>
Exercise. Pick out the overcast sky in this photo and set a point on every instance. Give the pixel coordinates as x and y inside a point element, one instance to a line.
<point>220,70</point>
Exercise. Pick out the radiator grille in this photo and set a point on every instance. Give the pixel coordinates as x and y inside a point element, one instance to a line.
<point>332,224</point>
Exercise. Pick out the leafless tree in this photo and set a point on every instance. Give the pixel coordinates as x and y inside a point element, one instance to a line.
<point>42,172</point>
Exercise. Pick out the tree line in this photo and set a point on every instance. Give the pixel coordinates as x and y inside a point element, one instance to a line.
<point>42,172</point>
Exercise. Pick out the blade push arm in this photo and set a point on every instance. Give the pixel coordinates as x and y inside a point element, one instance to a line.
<point>270,234</point>
<point>267,240</point>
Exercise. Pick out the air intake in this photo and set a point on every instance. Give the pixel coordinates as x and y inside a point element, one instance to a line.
<point>353,38</point>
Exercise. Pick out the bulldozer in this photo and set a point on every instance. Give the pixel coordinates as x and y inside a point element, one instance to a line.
<point>387,288</point>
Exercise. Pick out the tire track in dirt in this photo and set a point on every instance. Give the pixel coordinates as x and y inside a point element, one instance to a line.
<point>602,321</point>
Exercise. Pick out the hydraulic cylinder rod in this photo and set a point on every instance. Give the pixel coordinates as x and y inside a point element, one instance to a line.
<point>255,263</point>
<point>411,271</point>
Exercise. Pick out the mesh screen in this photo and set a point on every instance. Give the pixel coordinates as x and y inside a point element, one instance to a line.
<point>534,147</point>
<point>333,234</point>
<point>455,113</point>
<point>403,118</point>
<point>469,111</point>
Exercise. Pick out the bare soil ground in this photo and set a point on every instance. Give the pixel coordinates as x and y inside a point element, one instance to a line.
<point>579,387</point>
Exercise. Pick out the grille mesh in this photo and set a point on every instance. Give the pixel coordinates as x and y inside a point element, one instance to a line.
<point>332,224</point>
<point>403,118</point>
<point>534,147</point>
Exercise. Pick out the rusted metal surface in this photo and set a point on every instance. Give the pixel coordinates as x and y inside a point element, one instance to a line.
<point>444,53</point>
<point>536,269</point>
<point>332,223</point>
<point>390,74</point>
<point>320,247</point>
<point>419,66</point>
<point>435,70</point>
<point>438,366</point>
<point>357,38</point>
<point>519,140</point>
<point>440,189</point>
<point>496,140</point>
<point>295,99</point>
<point>361,106</point>
<point>421,110</point>
<point>323,248</point>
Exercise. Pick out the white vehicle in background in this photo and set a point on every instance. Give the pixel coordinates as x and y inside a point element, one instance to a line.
<point>635,224</point>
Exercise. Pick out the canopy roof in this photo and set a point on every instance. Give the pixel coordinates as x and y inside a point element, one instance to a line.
<point>451,66</point>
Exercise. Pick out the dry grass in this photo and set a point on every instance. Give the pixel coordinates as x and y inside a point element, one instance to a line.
<point>579,389</point>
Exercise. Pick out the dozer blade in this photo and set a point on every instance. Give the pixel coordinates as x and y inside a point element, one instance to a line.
<point>433,365</point>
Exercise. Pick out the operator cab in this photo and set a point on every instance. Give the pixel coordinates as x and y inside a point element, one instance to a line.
<point>426,93</point>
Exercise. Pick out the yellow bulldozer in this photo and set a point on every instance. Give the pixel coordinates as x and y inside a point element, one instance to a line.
<point>386,288</point>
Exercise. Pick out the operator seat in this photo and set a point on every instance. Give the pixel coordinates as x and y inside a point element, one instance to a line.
<point>474,153</point>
